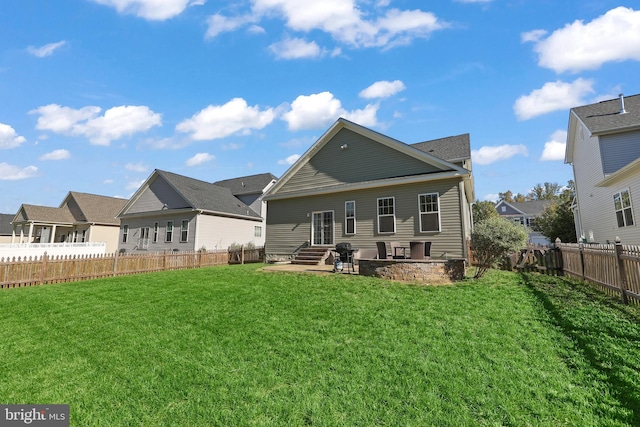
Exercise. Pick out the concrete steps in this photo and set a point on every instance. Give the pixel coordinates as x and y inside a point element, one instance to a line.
<point>311,256</point>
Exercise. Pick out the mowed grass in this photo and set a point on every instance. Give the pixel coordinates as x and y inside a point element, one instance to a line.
<point>235,346</point>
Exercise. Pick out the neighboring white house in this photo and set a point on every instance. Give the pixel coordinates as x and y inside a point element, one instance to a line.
<point>175,212</point>
<point>525,213</point>
<point>603,145</point>
<point>83,224</point>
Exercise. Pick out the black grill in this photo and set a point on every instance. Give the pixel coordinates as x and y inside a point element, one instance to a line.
<point>344,250</point>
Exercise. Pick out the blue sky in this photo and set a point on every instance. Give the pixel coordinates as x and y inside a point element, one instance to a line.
<point>98,93</point>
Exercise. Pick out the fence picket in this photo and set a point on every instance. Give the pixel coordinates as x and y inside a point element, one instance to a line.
<point>30,271</point>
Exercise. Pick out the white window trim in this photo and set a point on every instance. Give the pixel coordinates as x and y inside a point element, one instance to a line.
<point>257,231</point>
<point>385,215</point>
<point>125,233</point>
<point>346,218</point>
<point>182,230</point>
<point>439,213</point>
<point>156,232</point>
<point>624,218</point>
<point>166,232</point>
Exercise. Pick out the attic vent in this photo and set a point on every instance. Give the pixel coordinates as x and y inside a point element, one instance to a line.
<point>622,110</point>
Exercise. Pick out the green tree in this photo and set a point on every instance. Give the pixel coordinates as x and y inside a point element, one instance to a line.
<point>493,239</point>
<point>546,191</point>
<point>483,210</point>
<point>557,221</point>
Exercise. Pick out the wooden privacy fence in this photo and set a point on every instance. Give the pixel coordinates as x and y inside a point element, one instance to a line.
<point>16,272</point>
<point>614,268</point>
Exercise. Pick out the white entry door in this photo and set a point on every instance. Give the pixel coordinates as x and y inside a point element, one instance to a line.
<point>322,228</point>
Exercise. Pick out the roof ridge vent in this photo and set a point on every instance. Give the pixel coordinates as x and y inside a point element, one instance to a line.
<point>622,110</point>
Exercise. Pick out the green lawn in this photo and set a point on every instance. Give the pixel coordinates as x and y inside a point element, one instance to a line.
<point>235,346</point>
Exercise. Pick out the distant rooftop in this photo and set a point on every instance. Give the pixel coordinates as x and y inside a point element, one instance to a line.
<point>451,149</point>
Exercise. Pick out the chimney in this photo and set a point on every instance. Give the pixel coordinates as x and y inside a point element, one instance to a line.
<point>622,110</point>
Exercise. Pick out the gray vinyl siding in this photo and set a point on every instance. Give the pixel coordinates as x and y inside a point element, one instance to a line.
<point>136,223</point>
<point>597,215</point>
<point>289,220</point>
<point>508,211</point>
<point>619,150</point>
<point>156,196</point>
<point>363,160</point>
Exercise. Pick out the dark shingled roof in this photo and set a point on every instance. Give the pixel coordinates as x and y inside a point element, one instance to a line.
<point>47,214</point>
<point>451,149</point>
<point>605,117</point>
<point>6,229</point>
<point>531,207</point>
<point>206,196</point>
<point>251,184</point>
<point>97,209</point>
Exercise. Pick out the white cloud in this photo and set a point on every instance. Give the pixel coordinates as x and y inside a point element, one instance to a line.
<point>136,167</point>
<point>13,173</point>
<point>116,122</point>
<point>319,110</point>
<point>382,89</point>
<point>46,50</point>
<point>199,159</point>
<point>9,138</point>
<point>56,155</point>
<point>532,36</point>
<point>289,160</point>
<point>154,10</point>
<point>551,97</point>
<point>108,181</point>
<point>134,185</point>
<point>491,197</point>
<point>614,36</point>
<point>554,148</point>
<point>219,121</point>
<point>295,48</point>
<point>217,24</point>
<point>487,155</point>
<point>342,19</point>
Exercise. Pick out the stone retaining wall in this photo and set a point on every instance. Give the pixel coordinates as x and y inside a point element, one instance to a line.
<point>426,271</point>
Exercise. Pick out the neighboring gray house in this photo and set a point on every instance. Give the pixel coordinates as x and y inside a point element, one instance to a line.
<point>6,231</point>
<point>80,218</point>
<point>175,212</point>
<point>250,189</point>
<point>359,186</point>
<point>603,145</point>
<point>525,213</point>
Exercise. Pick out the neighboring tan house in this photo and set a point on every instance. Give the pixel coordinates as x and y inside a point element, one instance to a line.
<point>525,213</point>
<point>359,186</point>
<point>250,190</point>
<point>603,145</point>
<point>6,231</point>
<point>175,212</point>
<point>80,218</point>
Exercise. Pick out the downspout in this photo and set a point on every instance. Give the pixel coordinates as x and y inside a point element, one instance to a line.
<point>466,227</point>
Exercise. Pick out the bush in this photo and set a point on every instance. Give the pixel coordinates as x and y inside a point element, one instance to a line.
<point>493,239</point>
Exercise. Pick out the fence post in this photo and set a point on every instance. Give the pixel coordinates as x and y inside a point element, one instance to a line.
<point>242,254</point>
<point>43,268</point>
<point>115,264</point>
<point>622,275</point>
<point>581,249</point>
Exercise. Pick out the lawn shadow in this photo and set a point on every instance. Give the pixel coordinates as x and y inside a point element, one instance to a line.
<point>605,332</point>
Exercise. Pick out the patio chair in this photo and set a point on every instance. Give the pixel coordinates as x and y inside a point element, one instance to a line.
<point>420,250</point>
<point>382,250</point>
<point>397,250</point>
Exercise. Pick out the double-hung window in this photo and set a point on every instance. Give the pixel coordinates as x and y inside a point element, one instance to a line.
<point>386,215</point>
<point>350,217</point>
<point>429,207</point>
<point>257,231</point>
<point>184,230</point>
<point>169,232</point>
<point>156,229</point>
<point>125,233</point>
<point>622,205</point>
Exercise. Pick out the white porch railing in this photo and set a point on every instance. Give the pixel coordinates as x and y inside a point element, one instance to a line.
<point>22,250</point>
